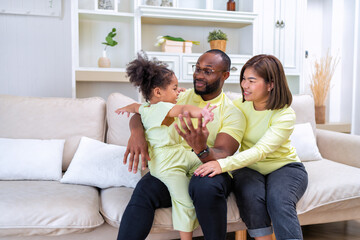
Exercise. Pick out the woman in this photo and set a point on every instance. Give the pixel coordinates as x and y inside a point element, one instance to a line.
<point>269,178</point>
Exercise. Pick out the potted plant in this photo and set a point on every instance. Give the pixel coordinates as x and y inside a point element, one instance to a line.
<point>104,61</point>
<point>320,84</point>
<point>217,40</point>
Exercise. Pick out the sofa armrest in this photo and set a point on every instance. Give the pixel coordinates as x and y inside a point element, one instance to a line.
<point>339,147</point>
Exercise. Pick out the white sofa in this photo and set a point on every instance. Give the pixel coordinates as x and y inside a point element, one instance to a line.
<point>51,210</point>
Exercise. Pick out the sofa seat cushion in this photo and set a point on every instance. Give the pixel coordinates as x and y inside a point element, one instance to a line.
<point>115,200</point>
<point>332,187</point>
<point>47,208</point>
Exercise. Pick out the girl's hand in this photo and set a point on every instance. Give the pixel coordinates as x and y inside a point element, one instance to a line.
<point>131,108</point>
<point>207,114</point>
<point>211,168</point>
<point>180,89</point>
<point>122,111</point>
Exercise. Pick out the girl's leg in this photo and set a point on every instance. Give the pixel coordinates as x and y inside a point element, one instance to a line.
<point>185,235</point>
<point>250,192</point>
<point>183,211</point>
<point>285,187</point>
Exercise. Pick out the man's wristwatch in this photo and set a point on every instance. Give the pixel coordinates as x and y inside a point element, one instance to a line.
<point>204,153</point>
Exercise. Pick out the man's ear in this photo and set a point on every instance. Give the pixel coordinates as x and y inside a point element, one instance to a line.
<point>157,92</point>
<point>225,75</point>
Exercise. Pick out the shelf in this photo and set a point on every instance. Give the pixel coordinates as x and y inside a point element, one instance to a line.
<point>195,17</point>
<point>103,15</point>
<point>101,75</point>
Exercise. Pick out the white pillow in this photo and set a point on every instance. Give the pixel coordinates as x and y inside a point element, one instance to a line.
<point>101,165</point>
<point>304,141</point>
<point>31,159</point>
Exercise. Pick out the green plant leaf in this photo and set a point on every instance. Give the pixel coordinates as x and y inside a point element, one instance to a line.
<point>217,35</point>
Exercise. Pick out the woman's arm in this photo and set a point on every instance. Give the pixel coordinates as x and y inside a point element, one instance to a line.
<point>278,132</point>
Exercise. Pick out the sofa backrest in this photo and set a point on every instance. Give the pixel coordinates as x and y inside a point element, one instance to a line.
<point>53,118</point>
<point>118,125</point>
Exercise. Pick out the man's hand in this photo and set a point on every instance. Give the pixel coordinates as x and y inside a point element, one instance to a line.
<point>211,168</point>
<point>137,146</point>
<point>196,138</point>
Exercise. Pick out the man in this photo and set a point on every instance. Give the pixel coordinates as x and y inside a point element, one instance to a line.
<point>219,139</point>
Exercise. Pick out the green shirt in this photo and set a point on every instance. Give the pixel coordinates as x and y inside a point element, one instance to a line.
<point>266,145</point>
<point>227,117</point>
<point>152,117</point>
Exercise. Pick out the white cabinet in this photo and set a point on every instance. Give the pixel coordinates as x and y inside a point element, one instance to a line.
<point>251,29</point>
<point>282,32</point>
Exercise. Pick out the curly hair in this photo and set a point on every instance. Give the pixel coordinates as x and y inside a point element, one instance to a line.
<point>148,74</point>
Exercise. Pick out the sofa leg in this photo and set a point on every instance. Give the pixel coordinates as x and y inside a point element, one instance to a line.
<point>273,236</point>
<point>240,235</point>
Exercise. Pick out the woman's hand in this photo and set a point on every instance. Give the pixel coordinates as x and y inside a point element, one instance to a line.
<point>207,114</point>
<point>211,168</point>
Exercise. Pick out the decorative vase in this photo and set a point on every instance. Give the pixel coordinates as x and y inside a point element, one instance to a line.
<point>320,114</point>
<point>218,44</point>
<point>104,62</point>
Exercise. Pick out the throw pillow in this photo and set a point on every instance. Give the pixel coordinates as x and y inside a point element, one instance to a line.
<point>101,165</point>
<point>304,141</point>
<point>31,159</point>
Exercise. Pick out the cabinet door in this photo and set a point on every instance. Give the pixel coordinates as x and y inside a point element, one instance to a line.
<point>281,32</point>
<point>289,35</point>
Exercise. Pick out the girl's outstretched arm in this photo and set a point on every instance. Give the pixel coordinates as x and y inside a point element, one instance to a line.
<point>194,112</point>
<point>131,108</point>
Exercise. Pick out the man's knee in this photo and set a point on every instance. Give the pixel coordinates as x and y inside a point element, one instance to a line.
<point>151,192</point>
<point>218,186</point>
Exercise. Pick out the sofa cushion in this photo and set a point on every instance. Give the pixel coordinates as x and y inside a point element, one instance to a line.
<point>303,139</point>
<point>118,125</point>
<point>115,200</point>
<point>101,165</point>
<point>47,208</point>
<point>304,108</point>
<point>332,186</point>
<point>53,118</point>
<point>31,159</point>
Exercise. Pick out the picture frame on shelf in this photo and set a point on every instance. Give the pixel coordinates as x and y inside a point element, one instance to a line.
<point>106,5</point>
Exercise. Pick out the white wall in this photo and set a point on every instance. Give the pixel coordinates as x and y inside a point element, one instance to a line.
<point>329,26</point>
<point>355,124</point>
<point>35,54</point>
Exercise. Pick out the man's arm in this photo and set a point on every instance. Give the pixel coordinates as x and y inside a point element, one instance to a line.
<point>137,145</point>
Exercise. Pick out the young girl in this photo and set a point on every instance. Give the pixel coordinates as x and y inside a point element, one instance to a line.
<point>170,162</point>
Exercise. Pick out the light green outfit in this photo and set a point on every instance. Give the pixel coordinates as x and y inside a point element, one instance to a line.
<point>174,164</point>
<point>266,145</point>
<point>171,163</point>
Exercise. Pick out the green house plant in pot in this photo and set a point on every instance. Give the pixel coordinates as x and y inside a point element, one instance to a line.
<point>104,61</point>
<point>217,40</point>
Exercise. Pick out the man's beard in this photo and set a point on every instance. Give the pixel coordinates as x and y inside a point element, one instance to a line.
<point>209,88</point>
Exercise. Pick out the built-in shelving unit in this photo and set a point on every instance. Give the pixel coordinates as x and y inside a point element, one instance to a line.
<point>138,26</point>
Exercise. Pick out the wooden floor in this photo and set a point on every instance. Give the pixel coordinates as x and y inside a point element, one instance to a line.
<point>349,230</point>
